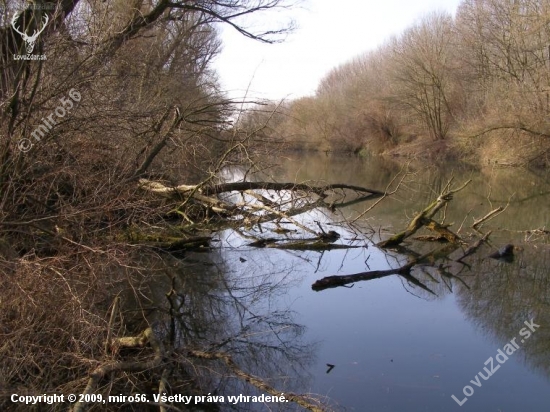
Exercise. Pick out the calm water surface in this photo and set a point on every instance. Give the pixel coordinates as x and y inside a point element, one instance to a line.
<point>394,346</point>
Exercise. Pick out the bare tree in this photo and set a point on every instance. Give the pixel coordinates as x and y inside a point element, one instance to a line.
<point>127,90</point>
<point>420,72</point>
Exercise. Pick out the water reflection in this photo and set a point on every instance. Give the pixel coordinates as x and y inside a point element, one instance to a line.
<point>392,345</point>
<point>494,296</point>
<point>502,296</point>
<point>214,303</point>
<point>527,191</point>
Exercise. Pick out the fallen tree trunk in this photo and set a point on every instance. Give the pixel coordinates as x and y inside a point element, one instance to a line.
<point>255,381</point>
<point>106,369</point>
<point>318,245</point>
<point>473,248</point>
<point>259,202</point>
<point>323,241</point>
<point>342,280</point>
<point>424,218</point>
<point>300,244</point>
<point>167,242</point>
<point>240,186</point>
<point>157,187</point>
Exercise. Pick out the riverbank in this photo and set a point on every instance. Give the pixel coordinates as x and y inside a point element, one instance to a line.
<point>504,150</point>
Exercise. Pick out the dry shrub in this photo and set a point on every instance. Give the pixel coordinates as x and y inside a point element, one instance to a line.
<point>514,148</point>
<point>54,321</point>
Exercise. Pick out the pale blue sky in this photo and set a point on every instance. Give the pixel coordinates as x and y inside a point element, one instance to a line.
<point>329,33</point>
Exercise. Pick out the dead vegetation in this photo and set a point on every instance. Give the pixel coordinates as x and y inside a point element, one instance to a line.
<point>439,260</point>
<point>80,241</point>
<point>447,87</point>
<point>94,220</point>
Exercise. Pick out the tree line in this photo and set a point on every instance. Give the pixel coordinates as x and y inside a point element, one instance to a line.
<point>474,86</point>
<point>94,96</point>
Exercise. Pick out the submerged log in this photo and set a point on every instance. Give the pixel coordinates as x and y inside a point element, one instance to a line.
<point>324,241</point>
<point>318,245</point>
<point>473,248</point>
<point>167,242</point>
<point>443,231</point>
<point>184,244</point>
<point>424,218</point>
<point>305,402</point>
<point>342,280</point>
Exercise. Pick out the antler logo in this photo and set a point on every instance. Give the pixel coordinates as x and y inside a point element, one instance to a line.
<point>29,40</point>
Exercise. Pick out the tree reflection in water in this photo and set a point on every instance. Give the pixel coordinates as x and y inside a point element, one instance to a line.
<point>232,303</point>
<point>198,307</point>
<point>501,296</point>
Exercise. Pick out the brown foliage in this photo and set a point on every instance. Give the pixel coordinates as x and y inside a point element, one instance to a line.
<point>455,79</point>
<point>136,97</point>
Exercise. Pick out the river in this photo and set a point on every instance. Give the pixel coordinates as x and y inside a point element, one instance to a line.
<point>387,344</point>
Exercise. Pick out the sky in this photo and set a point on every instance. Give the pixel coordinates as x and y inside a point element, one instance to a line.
<point>328,33</point>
